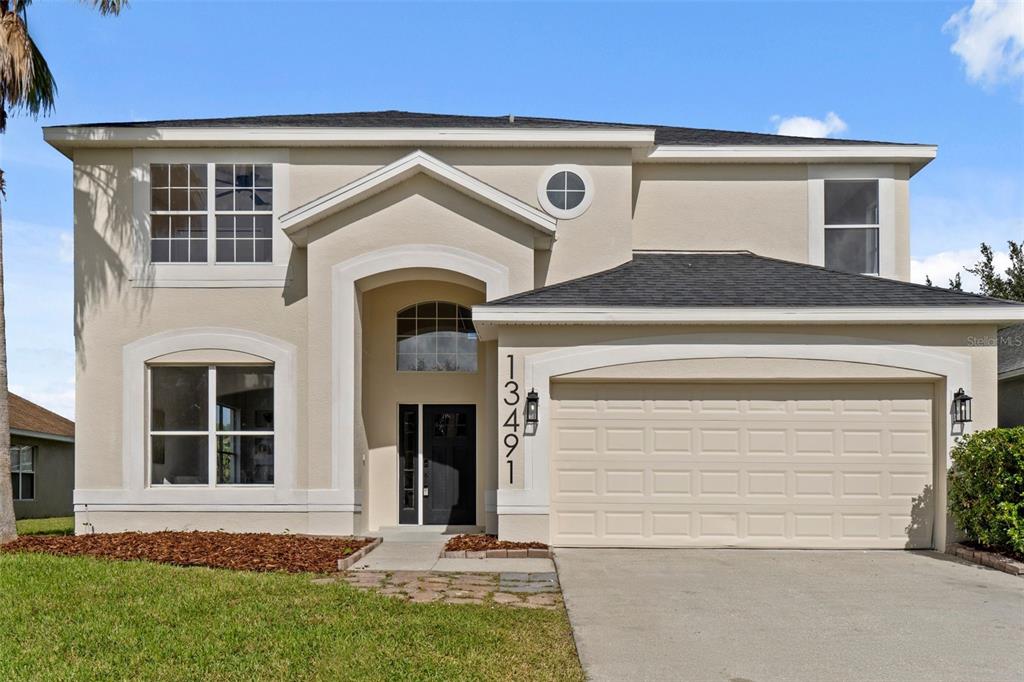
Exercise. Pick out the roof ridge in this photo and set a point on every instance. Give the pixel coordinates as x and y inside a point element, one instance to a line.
<point>879,278</point>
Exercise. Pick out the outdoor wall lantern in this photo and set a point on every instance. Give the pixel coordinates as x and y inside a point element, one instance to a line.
<point>961,407</point>
<point>532,406</point>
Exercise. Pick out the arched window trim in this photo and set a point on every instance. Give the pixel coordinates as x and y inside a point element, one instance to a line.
<point>435,336</point>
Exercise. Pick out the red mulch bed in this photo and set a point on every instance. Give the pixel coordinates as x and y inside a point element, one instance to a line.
<point>479,543</point>
<point>236,551</point>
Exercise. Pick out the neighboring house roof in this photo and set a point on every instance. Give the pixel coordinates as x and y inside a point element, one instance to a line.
<point>738,278</point>
<point>27,418</point>
<point>1011,350</point>
<point>663,135</point>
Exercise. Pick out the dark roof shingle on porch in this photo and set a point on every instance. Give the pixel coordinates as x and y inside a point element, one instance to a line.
<point>734,279</point>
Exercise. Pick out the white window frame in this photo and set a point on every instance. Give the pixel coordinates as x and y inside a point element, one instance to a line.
<point>33,450</point>
<point>210,274</point>
<point>886,176</point>
<point>211,433</point>
<point>565,213</point>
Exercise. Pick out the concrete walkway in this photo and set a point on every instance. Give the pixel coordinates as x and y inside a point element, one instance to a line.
<point>418,548</point>
<point>761,615</point>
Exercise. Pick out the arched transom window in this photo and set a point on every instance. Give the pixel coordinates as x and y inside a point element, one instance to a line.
<point>436,336</point>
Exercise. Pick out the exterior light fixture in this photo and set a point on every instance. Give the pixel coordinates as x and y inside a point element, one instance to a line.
<point>532,407</point>
<point>961,407</point>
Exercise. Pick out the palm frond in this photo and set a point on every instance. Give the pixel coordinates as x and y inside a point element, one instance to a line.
<point>108,6</point>
<point>26,82</point>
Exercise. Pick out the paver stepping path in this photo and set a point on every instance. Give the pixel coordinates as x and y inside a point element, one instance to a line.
<point>521,590</point>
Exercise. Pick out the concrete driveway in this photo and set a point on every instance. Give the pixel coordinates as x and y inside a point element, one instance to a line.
<point>757,615</point>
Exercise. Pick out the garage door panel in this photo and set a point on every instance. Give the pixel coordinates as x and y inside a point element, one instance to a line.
<point>782,465</point>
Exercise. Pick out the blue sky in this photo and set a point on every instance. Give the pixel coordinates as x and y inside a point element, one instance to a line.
<point>883,71</point>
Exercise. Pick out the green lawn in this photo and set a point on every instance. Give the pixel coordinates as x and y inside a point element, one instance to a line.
<point>89,619</point>
<point>57,525</point>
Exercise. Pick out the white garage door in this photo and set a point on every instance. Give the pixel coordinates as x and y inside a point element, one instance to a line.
<point>759,465</point>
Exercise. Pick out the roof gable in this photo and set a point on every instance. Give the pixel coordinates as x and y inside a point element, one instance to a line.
<point>27,417</point>
<point>296,221</point>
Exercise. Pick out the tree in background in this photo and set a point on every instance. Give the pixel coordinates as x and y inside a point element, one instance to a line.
<point>26,85</point>
<point>1010,286</point>
<point>954,284</point>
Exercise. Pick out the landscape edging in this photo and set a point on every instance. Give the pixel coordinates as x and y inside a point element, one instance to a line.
<point>984,558</point>
<point>344,564</point>
<point>499,554</point>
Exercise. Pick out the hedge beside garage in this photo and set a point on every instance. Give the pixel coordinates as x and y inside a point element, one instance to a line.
<point>986,489</point>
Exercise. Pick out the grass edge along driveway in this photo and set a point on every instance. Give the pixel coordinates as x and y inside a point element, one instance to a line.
<point>84,619</point>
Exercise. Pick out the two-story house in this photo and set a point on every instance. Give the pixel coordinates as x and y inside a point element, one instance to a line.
<point>576,332</point>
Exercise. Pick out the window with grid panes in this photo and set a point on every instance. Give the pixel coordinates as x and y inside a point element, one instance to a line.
<point>178,212</point>
<point>436,336</point>
<point>244,211</point>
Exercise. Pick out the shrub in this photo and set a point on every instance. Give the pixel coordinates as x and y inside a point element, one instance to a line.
<point>986,488</point>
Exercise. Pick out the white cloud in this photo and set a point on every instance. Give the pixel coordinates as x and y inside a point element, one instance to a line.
<point>989,40</point>
<point>66,250</point>
<point>943,266</point>
<point>805,126</point>
<point>57,397</point>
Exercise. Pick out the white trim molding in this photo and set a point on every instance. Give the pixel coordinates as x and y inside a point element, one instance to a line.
<point>66,139</point>
<point>917,156</point>
<point>135,488</point>
<point>487,318</point>
<point>24,433</point>
<point>345,278</point>
<point>539,370</point>
<point>298,219</point>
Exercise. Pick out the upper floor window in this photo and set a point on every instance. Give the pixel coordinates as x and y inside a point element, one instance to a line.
<point>436,336</point>
<point>178,205</point>
<point>23,472</point>
<point>211,423</point>
<point>851,225</point>
<point>181,212</point>
<point>244,212</point>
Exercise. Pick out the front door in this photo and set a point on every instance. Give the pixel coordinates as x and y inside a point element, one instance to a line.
<point>449,464</point>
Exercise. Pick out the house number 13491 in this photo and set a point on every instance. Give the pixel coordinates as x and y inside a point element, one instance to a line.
<point>512,398</point>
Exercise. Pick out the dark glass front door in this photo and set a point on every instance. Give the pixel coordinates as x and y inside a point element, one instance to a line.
<point>449,464</point>
<point>408,453</point>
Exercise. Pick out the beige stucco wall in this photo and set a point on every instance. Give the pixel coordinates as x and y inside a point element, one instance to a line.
<point>671,206</point>
<point>761,208</point>
<point>600,238</point>
<point>110,313</point>
<point>419,211</point>
<point>385,388</point>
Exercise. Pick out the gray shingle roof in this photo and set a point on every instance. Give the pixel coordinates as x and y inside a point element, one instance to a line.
<point>668,135</point>
<point>1011,349</point>
<point>740,279</point>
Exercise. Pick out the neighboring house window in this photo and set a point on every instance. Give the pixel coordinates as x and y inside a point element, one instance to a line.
<point>23,472</point>
<point>244,212</point>
<point>211,423</point>
<point>178,205</point>
<point>565,191</point>
<point>851,226</point>
<point>181,212</point>
<point>436,336</point>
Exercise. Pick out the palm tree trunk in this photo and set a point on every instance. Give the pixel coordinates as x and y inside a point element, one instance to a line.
<point>8,531</point>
